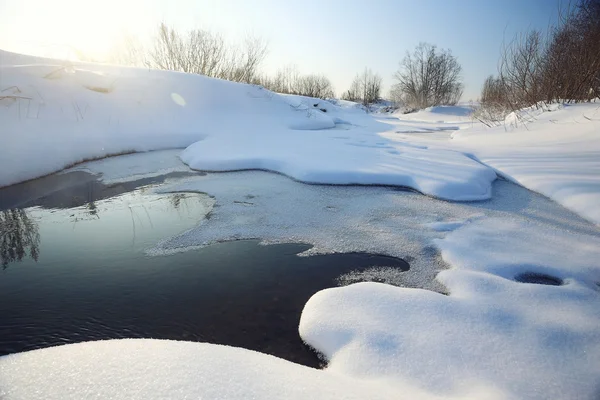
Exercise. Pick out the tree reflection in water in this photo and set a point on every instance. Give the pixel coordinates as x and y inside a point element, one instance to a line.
<point>19,236</point>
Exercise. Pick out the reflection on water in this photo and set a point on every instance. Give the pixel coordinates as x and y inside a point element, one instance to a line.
<point>84,275</point>
<point>19,237</point>
<point>71,189</point>
<point>132,220</point>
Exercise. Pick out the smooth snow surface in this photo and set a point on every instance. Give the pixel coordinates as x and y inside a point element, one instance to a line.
<point>138,369</point>
<point>352,153</point>
<point>556,154</point>
<point>553,150</point>
<point>507,339</point>
<point>54,114</point>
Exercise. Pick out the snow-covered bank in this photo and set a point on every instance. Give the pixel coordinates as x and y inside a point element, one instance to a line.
<point>509,339</point>
<point>556,152</point>
<point>138,369</point>
<point>55,114</point>
<point>491,338</point>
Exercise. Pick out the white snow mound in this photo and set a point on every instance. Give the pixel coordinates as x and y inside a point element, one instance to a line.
<point>553,150</point>
<point>511,339</point>
<point>144,369</point>
<point>55,114</point>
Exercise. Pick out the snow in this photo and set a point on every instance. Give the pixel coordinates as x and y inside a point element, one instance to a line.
<point>445,114</point>
<point>553,150</point>
<point>160,369</point>
<point>315,157</point>
<point>511,340</point>
<point>490,337</point>
<point>55,114</point>
<point>136,166</point>
<point>351,154</point>
<point>557,154</point>
<point>61,114</point>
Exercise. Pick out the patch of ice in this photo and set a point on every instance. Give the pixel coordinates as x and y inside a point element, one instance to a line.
<point>445,226</point>
<point>134,166</point>
<point>349,219</point>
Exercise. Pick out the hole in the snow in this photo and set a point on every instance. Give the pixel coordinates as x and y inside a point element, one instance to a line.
<point>540,279</point>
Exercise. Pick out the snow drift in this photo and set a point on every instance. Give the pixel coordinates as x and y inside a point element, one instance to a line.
<point>512,340</point>
<point>551,149</point>
<point>55,114</point>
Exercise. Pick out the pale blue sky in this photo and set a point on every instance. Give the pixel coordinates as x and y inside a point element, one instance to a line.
<point>335,37</point>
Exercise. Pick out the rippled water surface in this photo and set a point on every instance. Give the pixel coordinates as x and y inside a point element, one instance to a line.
<point>74,268</point>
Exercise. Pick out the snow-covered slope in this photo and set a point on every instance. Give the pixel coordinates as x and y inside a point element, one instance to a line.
<point>54,114</point>
<point>137,369</point>
<point>557,153</point>
<point>553,150</point>
<point>507,339</point>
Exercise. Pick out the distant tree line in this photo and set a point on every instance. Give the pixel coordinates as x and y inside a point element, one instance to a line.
<point>562,65</point>
<point>427,77</point>
<point>288,80</point>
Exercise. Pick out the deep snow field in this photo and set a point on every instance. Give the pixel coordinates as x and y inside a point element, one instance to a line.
<point>501,228</point>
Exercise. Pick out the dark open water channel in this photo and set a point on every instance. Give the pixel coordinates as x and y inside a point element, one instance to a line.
<point>74,269</point>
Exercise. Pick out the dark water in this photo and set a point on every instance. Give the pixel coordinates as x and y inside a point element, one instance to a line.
<point>539,279</point>
<point>81,273</point>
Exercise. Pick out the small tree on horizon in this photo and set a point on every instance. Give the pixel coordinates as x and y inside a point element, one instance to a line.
<point>429,77</point>
<point>366,88</point>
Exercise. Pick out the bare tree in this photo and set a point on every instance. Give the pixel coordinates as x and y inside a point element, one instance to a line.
<point>354,92</point>
<point>366,88</point>
<point>429,77</point>
<point>243,62</point>
<point>572,59</point>
<point>536,69</point>
<point>521,70</point>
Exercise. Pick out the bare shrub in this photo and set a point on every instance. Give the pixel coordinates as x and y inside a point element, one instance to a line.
<point>534,70</point>
<point>429,77</point>
<point>521,70</point>
<point>493,102</point>
<point>314,86</point>
<point>288,80</point>
<point>242,63</point>
<point>366,88</point>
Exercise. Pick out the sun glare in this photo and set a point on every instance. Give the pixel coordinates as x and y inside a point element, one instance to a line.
<point>71,29</point>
